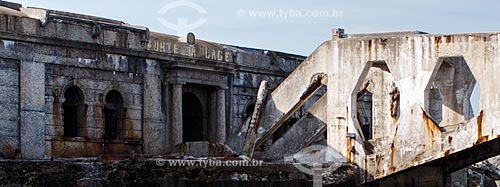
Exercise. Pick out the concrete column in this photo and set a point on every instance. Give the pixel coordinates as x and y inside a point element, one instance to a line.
<point>221,115</point>
<point>177,114</point>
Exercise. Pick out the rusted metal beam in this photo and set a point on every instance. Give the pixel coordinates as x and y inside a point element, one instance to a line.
<point>251,134</point>
<point>460,160</point>
<point>317,81</point>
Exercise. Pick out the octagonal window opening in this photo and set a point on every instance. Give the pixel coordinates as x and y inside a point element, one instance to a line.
<point>375,101</point>
<point>364,113</point>
<point>449,93</point>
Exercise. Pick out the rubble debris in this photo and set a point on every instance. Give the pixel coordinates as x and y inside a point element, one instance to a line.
<point>345,175</point>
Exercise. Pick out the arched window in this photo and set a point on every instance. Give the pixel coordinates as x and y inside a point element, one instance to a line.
<point>365,116</point>
<point>73,112</point>
<point>113,115</point>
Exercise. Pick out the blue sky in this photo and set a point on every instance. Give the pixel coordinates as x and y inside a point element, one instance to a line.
<point>248,23</point>
<point>296,26</point>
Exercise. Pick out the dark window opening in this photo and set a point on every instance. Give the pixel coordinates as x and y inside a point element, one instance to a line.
<point>365,116</point>
<point>192,119</point>
<point>73,112</point>
<point>113,112</point>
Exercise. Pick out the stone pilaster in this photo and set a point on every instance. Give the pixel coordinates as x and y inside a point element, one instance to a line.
<point>221,115</point>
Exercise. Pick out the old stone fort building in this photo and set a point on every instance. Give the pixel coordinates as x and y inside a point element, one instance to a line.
<point>392,109</point>
<point>81,86</point>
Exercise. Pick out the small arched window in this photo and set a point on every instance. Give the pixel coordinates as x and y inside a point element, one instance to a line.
<point>113,115</point>
<point>73,112</point>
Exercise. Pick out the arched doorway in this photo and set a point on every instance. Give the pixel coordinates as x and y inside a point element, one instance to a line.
<point>113,114</point>
<point>73,109</point>
<point>192,118</point>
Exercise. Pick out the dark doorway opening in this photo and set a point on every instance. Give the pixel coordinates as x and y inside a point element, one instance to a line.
<point>192,119</point>
<point>73,109</point>
<point>113,112</point>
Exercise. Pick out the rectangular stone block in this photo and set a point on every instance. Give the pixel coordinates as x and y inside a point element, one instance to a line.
<point>154,136</point>
<point>32,86</point>
<point>32,110</point>
<point>9,128</point>
<point>32,135</point>
<point>9,112</point>
<point>9,77</point>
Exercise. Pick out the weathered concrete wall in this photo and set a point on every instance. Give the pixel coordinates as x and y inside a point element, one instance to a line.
<point>293,140</point>
<point>288,93</point>
<point>411,59</point>
<point>400,69</point>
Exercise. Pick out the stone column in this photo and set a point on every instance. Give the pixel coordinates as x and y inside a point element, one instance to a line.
<point>221,115</point>
<point>154,127</point>
<point>213,116</point>
<point>177,114</point>
<point>32,103</point>
<point>168,118</point>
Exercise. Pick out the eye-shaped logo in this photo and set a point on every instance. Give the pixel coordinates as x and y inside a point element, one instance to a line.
<point>182,26</point>
<point>321,153</point>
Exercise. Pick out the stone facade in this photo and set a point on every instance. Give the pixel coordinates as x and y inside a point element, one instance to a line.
<point>397,105</point>
<point>81,86</point>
